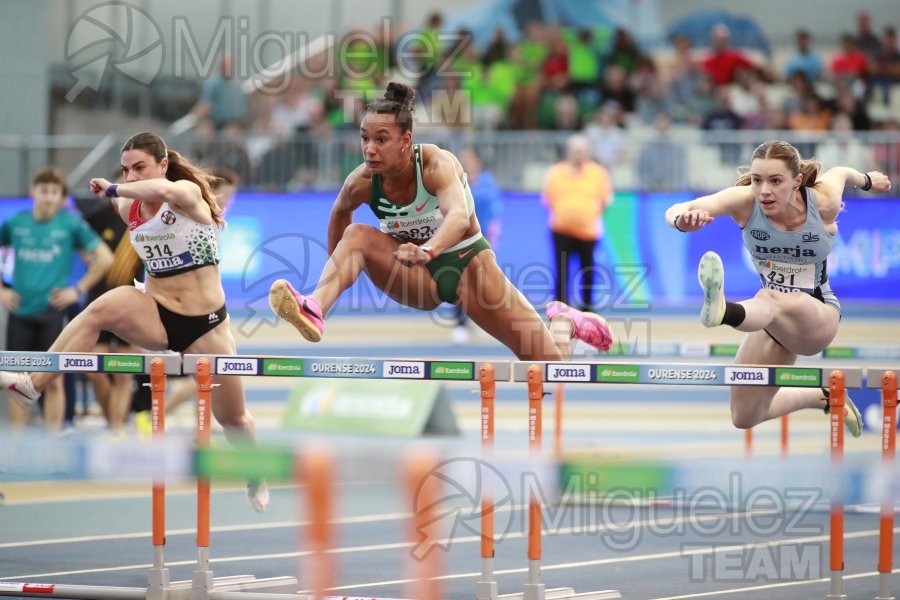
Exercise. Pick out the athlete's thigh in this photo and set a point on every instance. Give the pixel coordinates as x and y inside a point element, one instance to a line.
<point>804,324</point>
<point>495,305</point>
<point>409,285</point>
<point>129,314</point>
<point>758,348</point>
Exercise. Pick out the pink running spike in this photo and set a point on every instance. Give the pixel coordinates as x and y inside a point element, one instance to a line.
<point>303,312</point>
<point>590,328</point>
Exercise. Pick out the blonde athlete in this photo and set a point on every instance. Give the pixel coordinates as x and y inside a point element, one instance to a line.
<point>429,247</point>
<point>788,219</point>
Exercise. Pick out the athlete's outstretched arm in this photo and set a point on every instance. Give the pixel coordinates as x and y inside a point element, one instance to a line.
<point>692,215</point>
<point>831,184</point>
<point>183,195</point>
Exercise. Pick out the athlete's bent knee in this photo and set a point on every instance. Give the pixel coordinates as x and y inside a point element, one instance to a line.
<point>358,235</point>
<point>768,295</point>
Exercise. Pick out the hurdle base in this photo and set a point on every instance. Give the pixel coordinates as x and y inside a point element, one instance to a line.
<point>234,584</point>
<point>157,583</point>
<point>565,594</point>
<point>486,590</point>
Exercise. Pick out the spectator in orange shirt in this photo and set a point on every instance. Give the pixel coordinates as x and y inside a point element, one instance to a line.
<point>577,190</point>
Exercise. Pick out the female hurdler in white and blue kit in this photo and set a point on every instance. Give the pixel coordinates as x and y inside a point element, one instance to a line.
<point>788,219</point>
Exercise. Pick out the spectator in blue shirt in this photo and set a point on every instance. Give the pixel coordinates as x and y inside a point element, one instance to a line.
<point>804,60</point>
<point>45,240</point>
<point>222,99</point>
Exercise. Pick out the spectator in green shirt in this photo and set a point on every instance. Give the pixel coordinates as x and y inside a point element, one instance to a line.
<point>44,240</point>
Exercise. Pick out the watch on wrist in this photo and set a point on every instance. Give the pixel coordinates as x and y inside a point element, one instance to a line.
<point>428,250</point>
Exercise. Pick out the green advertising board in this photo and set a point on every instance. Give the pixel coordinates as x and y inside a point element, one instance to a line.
<point>373,407</point>
<point>798,377</point>
<point>124,363</point>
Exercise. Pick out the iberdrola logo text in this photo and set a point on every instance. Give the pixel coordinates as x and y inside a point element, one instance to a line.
<point>452,370</point>
<point>162,237</point>
<point>123,364</point>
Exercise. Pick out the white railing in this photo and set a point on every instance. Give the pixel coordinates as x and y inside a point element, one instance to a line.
<point>692,160</point>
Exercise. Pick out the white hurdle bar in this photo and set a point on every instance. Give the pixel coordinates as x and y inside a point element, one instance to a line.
<point>344,367</point>
<point>158,366</point>
<point>707,374</point>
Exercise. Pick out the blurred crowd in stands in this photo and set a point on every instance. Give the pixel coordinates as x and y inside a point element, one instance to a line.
<point>558,78</point>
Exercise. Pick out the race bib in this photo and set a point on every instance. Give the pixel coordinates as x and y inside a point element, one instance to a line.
<point>162,253</point>
<point>786,277</point>
<point>416,227</point>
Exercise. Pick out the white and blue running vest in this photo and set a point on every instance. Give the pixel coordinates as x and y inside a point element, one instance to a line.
<point>791,261</point>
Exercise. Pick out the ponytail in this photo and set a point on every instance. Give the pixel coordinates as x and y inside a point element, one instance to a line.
<point>810,170</point>
<point>180,168</point>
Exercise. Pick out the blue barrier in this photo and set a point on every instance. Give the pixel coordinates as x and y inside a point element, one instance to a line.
<point>643,263</point>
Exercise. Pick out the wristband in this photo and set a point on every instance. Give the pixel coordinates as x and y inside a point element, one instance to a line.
<point>111,190</point>
<point>868,185</point>
<point>428,251</point>
<point>675,224</point>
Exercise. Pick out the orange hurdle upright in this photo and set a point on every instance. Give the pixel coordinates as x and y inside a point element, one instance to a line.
<point>836,430</point>
<point>785,438</point>
<point>534,589</point>
<point>424,492</point>
<point>888,451</point>
<point>316,470</point>
<point>158,579</point>
<point>202,581</point>
<point>486,588</point>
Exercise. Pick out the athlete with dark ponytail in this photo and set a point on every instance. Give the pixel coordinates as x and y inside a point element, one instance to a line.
<point>173,221</point>
<point>429,247</point>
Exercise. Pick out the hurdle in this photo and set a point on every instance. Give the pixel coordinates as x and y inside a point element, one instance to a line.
<point>888,381</point>
<point>720,350</point>
<point>155,365</point>
<point>487,373</point>
<point>486,588</point>
<point>735,375</point>
<point>203,584</point>
<point>836,391</point>
<point>358,368</point>
<point>158,366</point>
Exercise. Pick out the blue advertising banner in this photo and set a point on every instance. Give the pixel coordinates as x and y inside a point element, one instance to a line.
<point>642,262</point>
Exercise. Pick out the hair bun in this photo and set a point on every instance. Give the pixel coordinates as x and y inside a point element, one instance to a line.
<point>401,93</point>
